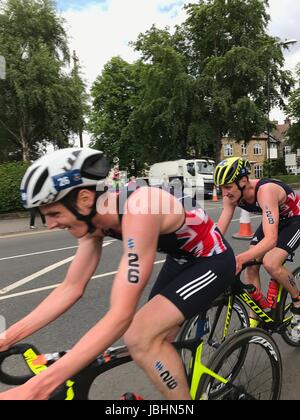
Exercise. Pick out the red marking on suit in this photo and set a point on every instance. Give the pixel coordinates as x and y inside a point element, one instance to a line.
<point>291,207</point>
<point>198,235</point>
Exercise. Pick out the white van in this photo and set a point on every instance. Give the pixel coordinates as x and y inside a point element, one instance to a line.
<point>195,175</point>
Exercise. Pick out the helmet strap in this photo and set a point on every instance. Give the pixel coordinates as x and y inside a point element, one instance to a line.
<point>241,189</point>
<point>84,218</point>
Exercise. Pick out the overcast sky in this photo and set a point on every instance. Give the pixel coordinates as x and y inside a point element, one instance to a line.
<point>101,29</point>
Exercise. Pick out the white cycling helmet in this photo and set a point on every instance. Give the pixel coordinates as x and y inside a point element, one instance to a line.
<point>54,175</point>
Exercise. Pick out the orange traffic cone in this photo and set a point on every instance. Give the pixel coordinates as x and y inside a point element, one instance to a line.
<point>245,231</point>
<point>215,195</point>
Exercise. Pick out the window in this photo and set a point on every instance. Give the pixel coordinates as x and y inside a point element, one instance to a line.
<point>257,149</point>
<point>258,171</point>
<point>228,150</point>
<point>287,150</point>
<point>191,168</point>
<point>205,167</point>
<point>244,150</point>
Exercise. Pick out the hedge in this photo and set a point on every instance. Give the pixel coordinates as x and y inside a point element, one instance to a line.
<point>288,179</point>
<point>10,178</point>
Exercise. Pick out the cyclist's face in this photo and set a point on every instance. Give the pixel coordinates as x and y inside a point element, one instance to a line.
<point>232,192</point>
<point>59,217</point>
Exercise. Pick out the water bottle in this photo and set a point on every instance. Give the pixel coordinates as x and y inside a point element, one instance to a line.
<point>258,297</point>
<point>272,293</point>
<point>295,324</point>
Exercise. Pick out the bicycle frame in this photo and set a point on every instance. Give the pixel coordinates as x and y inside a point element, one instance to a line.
<point>77,388</point>
<point>199,369</point>
<point>273,319</point>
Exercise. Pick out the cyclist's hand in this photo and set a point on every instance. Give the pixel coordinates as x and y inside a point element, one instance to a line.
<point>24,392</point>
<point>239,260</point>
<point>3,348</point>
<point>3,342</point>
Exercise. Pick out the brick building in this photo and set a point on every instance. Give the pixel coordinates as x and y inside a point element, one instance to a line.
<point>256,150</point>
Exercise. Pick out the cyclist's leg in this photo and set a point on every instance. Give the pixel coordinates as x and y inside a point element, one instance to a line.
<point>152,351</point>
<point>197,283</point>
<point>252,273</point>
<point>273,263</point>
<point>288,242</point>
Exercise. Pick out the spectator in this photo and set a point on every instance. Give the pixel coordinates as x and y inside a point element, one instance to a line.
<point>33,212</point>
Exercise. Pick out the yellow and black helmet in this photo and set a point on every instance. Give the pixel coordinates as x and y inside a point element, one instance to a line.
<point>231,170</point>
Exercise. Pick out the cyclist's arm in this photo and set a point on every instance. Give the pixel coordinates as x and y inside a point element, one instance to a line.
<point>63,297</point>
<point>268,199</point>
<point>226,216</point>
<point>140,234</point>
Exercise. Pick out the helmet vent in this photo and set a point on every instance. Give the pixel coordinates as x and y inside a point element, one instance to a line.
<point>29,178</point>
<point>40,182</point>
<point>95,167</point>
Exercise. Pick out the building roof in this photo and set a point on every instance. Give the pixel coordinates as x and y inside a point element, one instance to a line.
<point>278,134</point>
<point>281,129</point>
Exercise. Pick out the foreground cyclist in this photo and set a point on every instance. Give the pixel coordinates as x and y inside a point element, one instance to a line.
<point>279,233</point>
<point>199,266</point>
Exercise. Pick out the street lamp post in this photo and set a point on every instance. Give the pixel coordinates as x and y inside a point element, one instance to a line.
<point>268,127</point>
<point>2,67</point>
<point>284,44</point>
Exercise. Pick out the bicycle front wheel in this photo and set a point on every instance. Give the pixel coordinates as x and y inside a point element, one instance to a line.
<point>285,312</point>
<point>260,371</point>
<point>217,327</point>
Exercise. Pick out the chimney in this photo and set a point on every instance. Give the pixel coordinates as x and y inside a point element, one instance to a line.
<point>275,122</point>
<point>287,121</point>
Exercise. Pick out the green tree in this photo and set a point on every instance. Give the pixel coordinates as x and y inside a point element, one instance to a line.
<point>235,62</point>
<point>113,99</point>
<point>275,167</point>
<point>146,111</point>
<point>211,78</point>
<point>38,99</point>
<point>294,112</point>
<point>79,107</point>
<point>163,115</point>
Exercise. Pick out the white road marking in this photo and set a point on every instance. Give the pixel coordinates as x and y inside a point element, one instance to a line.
<point>35,275</point>
<point>17,235</point>
<point>53,286</point>
<point>212,208</point>
<point>37,253</point>
<point>39,273</point>
<point>48,251</point>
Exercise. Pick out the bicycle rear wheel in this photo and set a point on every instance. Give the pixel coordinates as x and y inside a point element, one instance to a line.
<point>260,372</point>
<point>285,312</point>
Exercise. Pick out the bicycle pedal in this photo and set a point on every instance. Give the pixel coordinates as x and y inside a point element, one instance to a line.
<point>131,396</point>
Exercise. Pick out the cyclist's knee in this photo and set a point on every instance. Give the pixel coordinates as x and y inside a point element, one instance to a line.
<point>136,341</point>
<point>139,343</point>
<point>273,267</point>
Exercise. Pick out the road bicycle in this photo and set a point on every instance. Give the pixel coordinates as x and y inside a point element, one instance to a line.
<point>247,366</point>
<point>217,324</point>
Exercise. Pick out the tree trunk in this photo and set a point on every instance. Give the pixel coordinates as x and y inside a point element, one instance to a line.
<point>218,147</point>
<point>81,137</point>
<point>25,146</point>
